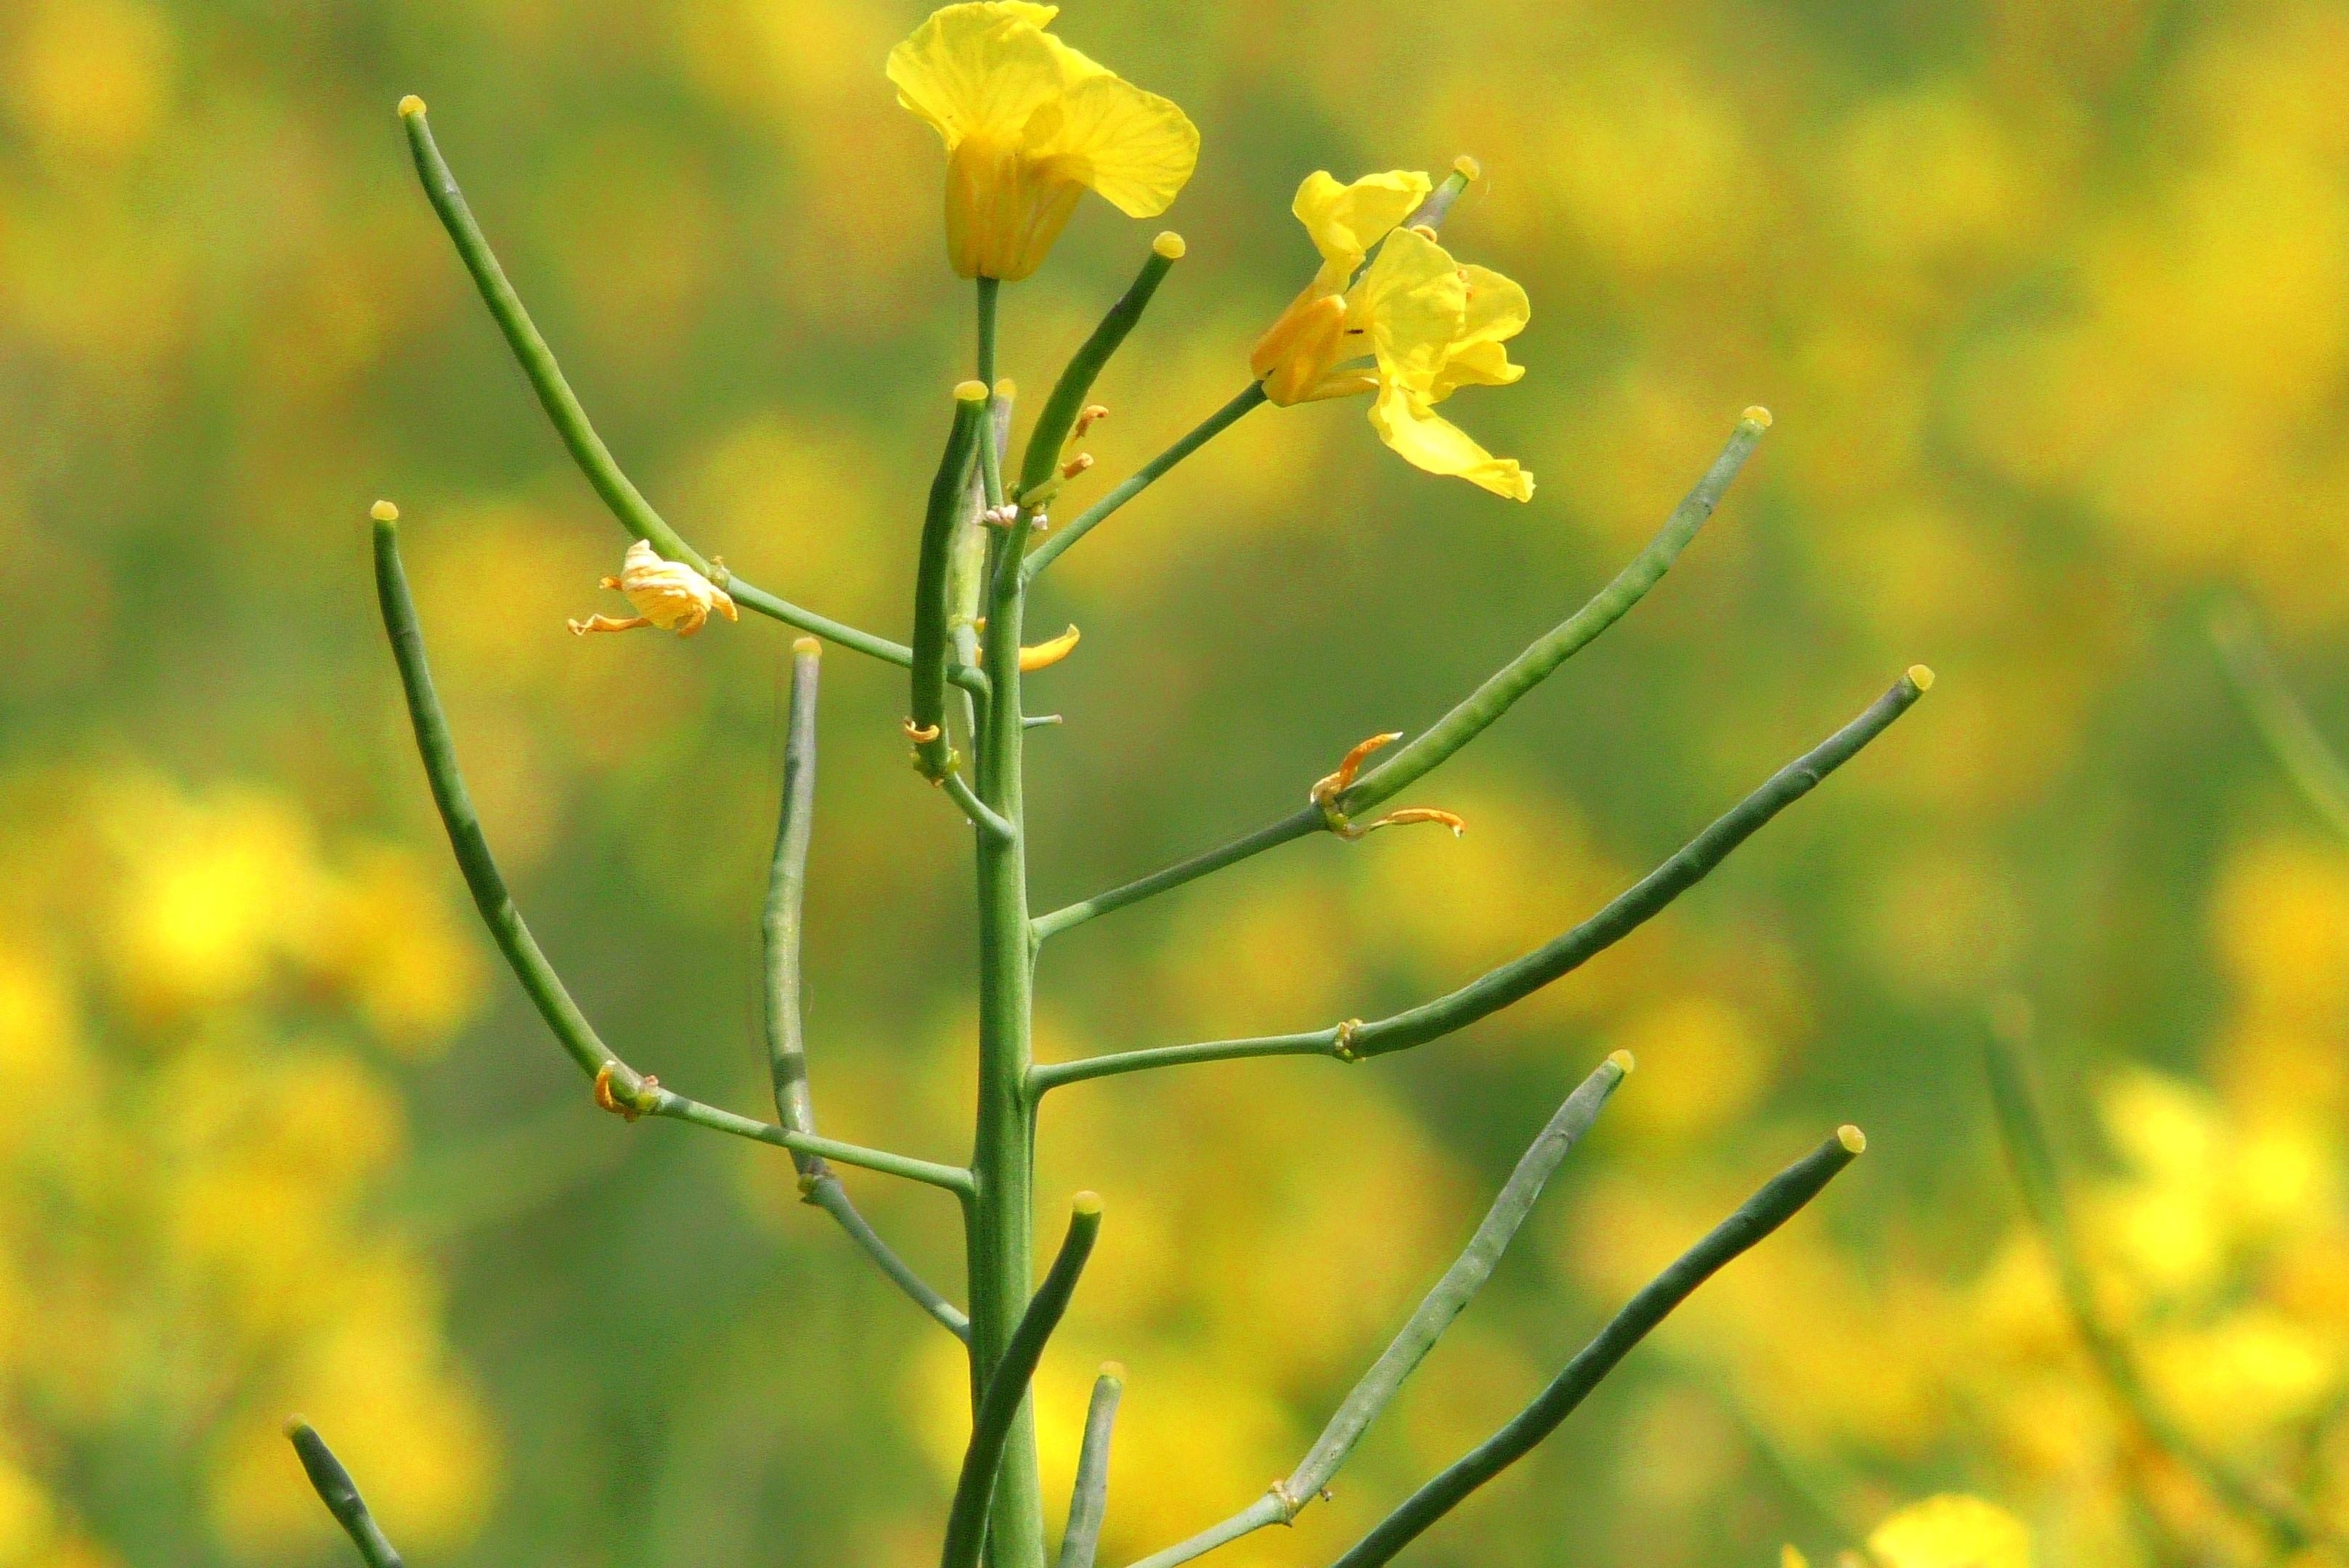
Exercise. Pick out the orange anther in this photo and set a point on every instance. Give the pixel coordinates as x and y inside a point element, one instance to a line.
<point>625,1110</point>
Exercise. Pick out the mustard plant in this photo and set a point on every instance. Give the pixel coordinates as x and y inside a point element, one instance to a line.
<point>1029,126</point>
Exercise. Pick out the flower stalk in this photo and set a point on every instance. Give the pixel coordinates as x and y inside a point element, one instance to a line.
<point>1028,126</point>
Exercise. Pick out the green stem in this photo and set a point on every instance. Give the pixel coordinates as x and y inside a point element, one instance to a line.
<point>981,815</point>
<point>603,471</point>
<point>782,921</point>
<point>967,569</point>
<point>2024,1129</point>
<point>334,1489</point>
<point>990,462</point>
<point>1489,701</point>
<point>781,929</point>
<point>658,1101</point>
<point>1049,1076</point>
<point>832,1199</point>
<point>1215,425</point>
<point>2282,723</point>
<point>926,706</point>
<point>1005,1394</point>
<point>487,884</point>
<point>1060,410</point>
<point>1512,981</point>
<point>1461,1282</point>
<point>1459,1285</point>
<point>1000,1222</point>
<point>544,987</point>
<point>1088,1498</point>
<point>1296,825</point>
<point>1763,1212</point>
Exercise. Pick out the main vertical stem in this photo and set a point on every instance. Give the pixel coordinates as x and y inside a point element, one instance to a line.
<point>1002,1239</point>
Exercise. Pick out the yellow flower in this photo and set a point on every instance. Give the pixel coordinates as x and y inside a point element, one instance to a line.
<point>1031,125</point>
<point>1412,327</point>
<point>1952,1530</point>
<point>666,593</point>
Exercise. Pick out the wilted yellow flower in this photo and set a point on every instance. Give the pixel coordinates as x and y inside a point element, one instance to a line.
<point>1031,125</point>
<point>1952,1530</point>
<point>1412,327</point>
<point>666,593</point>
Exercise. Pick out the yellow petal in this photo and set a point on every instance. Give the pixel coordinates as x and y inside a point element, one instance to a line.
<point>1428,441</point>
<point>1413,303</point>
<point>982,69</point>
<point>1952,1530</point>
<point>1790,1558</point>
<point>1045,654</point>
<point>1346,221</point>
<point>1497,310</point>
<point>1135,149</point>
<point>1004,209</point>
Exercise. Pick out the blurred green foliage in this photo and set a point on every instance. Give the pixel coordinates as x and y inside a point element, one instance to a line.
<point>2050,299</point>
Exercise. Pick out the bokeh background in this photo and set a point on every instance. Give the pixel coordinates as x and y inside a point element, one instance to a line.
<point>2050,299</point>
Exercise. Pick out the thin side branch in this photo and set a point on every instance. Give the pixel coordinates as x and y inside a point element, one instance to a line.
<point>983,817</point>
<point>1513,981</point>
<point>1459,1285</point>
<point>1763,1212</point>
<point>1089,1499</point>
<point>1643,901</point>
<point>629,1090</point>
<point>780,927</point>
<point>1047,1076</point>
<point>336,1489</point>
<point>1149,474</point>
<point>658,1101</point>
<point>1488,702</point>
<point>2024,1129</point>
<point>1006,1387</point>
<point>1296,825</point>
<point>603,471</point>
<point>1476,713</point>
<point>833,1198</point>
<point>1461,1282</point>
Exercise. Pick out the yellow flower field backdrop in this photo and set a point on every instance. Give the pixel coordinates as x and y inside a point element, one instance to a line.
<point>2051,304</point>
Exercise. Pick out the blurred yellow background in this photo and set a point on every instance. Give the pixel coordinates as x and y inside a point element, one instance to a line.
<point>2051,300</point>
